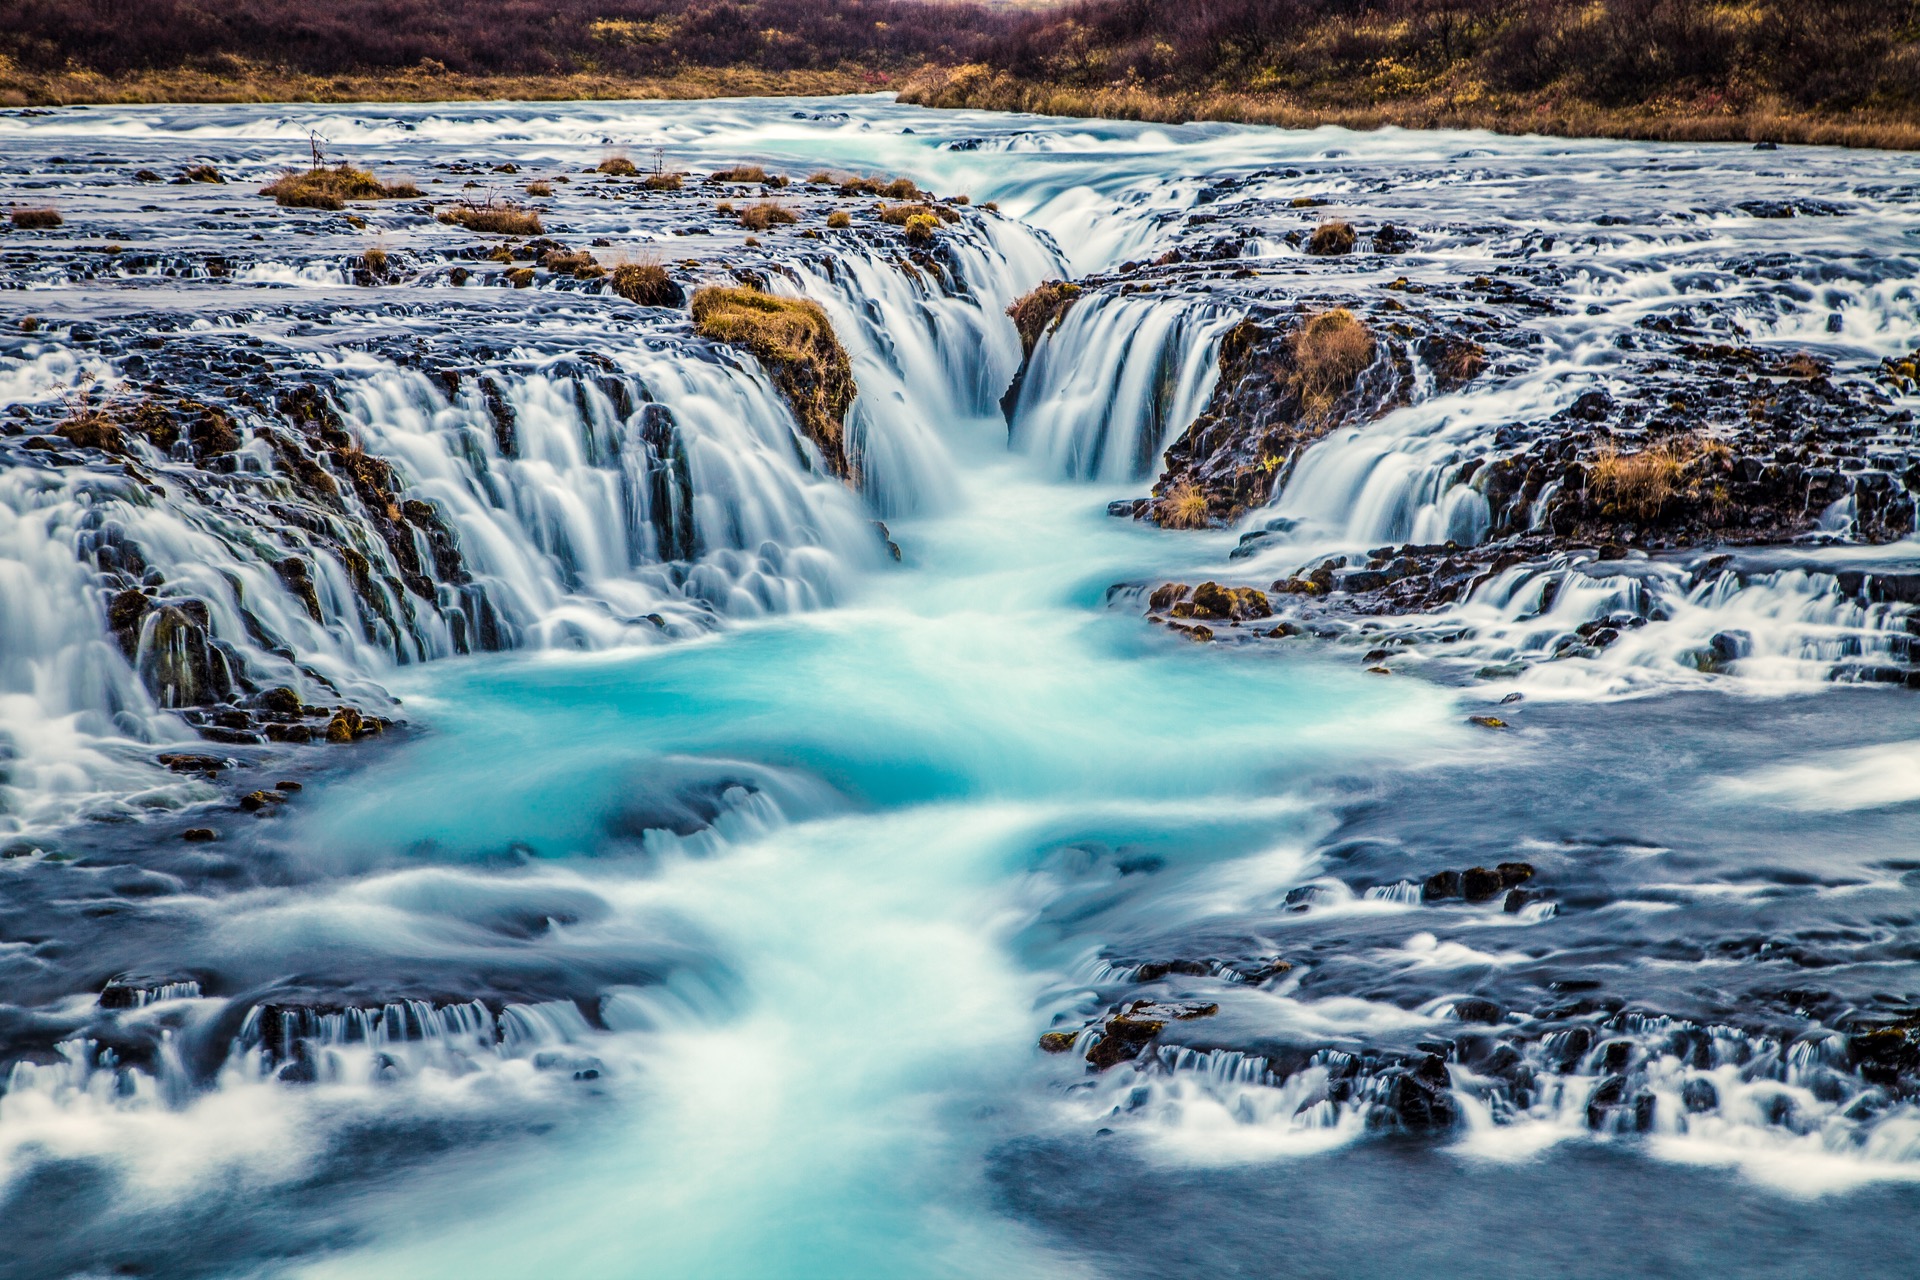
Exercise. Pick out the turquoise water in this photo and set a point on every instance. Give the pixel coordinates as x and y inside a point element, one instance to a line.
<point>877,960</point>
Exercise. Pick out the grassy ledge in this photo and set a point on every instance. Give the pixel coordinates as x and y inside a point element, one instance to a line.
<point>793,340</point>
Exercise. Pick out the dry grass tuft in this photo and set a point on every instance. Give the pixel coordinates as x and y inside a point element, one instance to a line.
<point>1183,507</point>
<point>747,173</point>
<point>1034,312</point>
<point>647,284</point>
<point>795,343</point>
<point>375,261</point>
<point>1331,240</point>
<point>839,220</point>
<point>323,188</point>
<point>663,182</point>
<point>35,219</point>
<point>758,217</point>
<point>199,173</point>
<point>539,188</point>
<point>1330,351</point>
<point>618,166</point>
<point>493,219</point>
<point>1635,484</point>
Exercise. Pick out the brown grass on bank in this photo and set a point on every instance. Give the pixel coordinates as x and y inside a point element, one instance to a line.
<point>247,82</point>
<point>1041,308</point>
<point>794,341</point>
<point>322,188</point>
<point>35,219</point>
<point>1330,351</point>
<point>758,217</point>
<point>618,166</point>
<point>493,219</point>
<point>977,87</point>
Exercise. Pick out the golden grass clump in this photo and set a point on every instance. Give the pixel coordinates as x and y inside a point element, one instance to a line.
<point>580,265</point>
<point>375,261</point>
<point>35,219</point>
<point>920,229</point>
<point>618,166</point>
<point>794,341</point>
<point>758,217</point>
<point>199,173</point>
<point>899,214</point>
<point>839,220</point>
<point>891,188</point>
<point>520,277</point>
<point>662,182</point>
<point>1183,507</point>
<point>1636,484</point>
<point>539,188</point>
<point>322,188</point>
<point>747,173</point>
<point>1038,309</point>
<point>1331,240</point>
<point>1330,351</point>
<point>646,284</point>
<point>493,219</point>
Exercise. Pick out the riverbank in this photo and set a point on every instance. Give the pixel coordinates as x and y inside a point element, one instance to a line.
<point>245,83</point>
<point>980,88</point>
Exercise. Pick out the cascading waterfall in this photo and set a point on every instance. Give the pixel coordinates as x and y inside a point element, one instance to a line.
<point>1115,380</point>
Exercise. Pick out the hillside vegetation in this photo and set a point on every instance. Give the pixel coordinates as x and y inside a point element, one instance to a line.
<point>1813,70</point>
<point>1792,70</point>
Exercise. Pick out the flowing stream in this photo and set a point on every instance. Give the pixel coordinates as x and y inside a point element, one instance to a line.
<point>705,921</point>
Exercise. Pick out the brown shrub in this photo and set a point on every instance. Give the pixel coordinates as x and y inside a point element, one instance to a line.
<point>375,261</point>
<point>746,173</point>
<point>758,217</point>
<point>618,166</point>
<point>795,343</point>
<point>1331,239</point>
<point>539,188</point>
<point>662,182</point>
<point>1040,308</point>
<point>647,284</point>
<point>331,188</point>
<point>493,219</point>
<point>1330,351</point>
<point>520,277</point>
<point>36,219</point>
<point>839,220</point>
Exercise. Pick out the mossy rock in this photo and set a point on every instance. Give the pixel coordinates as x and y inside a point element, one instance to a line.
<point>794,341</point>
